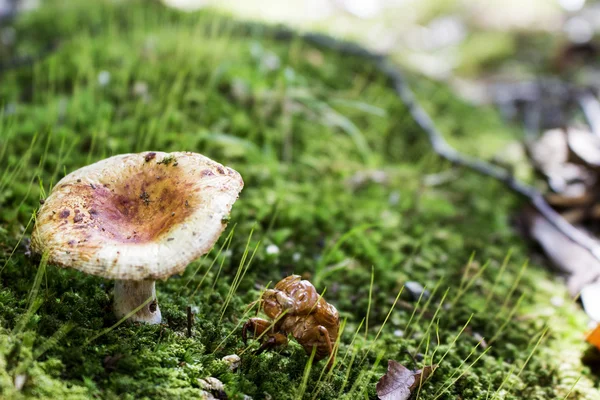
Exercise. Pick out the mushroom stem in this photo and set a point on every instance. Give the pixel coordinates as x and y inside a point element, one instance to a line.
<point>129,295</point>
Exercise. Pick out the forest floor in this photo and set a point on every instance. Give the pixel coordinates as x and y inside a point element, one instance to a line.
<point>341,187</point>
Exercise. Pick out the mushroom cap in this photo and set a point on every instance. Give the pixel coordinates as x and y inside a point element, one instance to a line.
<point>137,216</point>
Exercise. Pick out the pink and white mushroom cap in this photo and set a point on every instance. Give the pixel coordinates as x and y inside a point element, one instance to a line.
<point>139,216</point>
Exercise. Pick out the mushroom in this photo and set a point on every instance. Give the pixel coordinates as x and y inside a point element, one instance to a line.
<point>136,218</point>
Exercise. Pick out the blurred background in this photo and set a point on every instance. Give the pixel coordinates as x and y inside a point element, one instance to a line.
<point>479,47</point>
<point>470,43</point>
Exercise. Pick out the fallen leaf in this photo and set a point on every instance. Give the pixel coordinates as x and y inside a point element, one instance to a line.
<point>585,145</point>
<point>593,337</point>
<point>399,382</point>
<point>581,267</point>
<point>566,158</point>
<point>550,151</point>
<point>582,214</point>
<point>559,200</point>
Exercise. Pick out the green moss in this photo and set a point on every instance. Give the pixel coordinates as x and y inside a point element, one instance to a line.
<point>298,133</point>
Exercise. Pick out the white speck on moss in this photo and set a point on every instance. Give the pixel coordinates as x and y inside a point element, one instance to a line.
<point>141,90</point>
<point>233,360</point>
<point>20,381</point>
<point>394,198</point>
<point>271,62</point>
<point>557,301</point>
<point>103,78</point>
<point>211,383</point>
<point>272,249</point>
<point>296,257</point>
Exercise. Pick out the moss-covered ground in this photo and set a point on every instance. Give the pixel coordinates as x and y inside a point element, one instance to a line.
<point>338,188</point>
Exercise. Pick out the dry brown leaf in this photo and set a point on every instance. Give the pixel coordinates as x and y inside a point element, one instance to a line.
<point>399,382</point>
<point>571,180</point>
<point>569,257</point>
<point>567,158</point>
<point>550,150</point>
<point>585,146</point>
<point>581,214</point>
<point>560,200</point>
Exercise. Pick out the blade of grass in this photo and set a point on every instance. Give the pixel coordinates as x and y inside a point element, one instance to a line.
<point>347,375</point>
<point>382,326</point>
<point>53,340</point>
<point>225,244</point>
<point>237,282</point>
<point>370,298</point>
<point>513,287</point>
<point>424,309</point>
<point>421,375</point>
<point>336,346</point>
<point>212,288</point>
<point>437,310</point>
<point>18,243</point>
<point>237,276</point>
<point>242,320</point>
<point>463,278</point>
<point>38,278</point>
<point>507,320</point>
<point>33,301</point>
<point>306,374</point>
<point>572,388</point>
<point>468,284</point>
<point>453,341</point>
<point>539,341</point>
<point>119,322</point>
<point>319,273</point>
<point>350,346</point>
<point>498,278</point>
<point>446,387</point>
